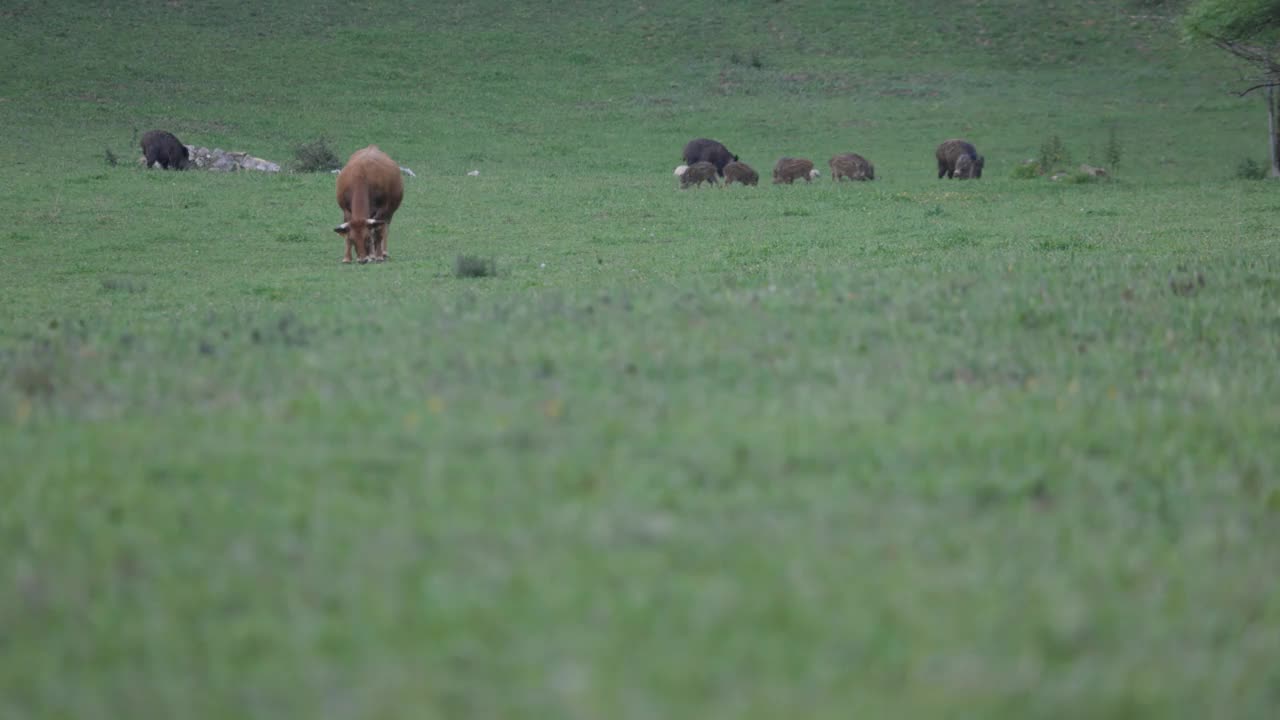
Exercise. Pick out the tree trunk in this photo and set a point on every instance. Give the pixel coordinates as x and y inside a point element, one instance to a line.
<point>1274,143</point>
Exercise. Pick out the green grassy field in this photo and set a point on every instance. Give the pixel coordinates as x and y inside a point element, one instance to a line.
<point>903,449</point>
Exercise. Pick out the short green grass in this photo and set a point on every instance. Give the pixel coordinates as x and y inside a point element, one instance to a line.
<point>902,449</point>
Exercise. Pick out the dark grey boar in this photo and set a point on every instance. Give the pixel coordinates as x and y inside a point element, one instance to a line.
<point>959,159</point>
<point>704,150</point>
<point>159,146</point>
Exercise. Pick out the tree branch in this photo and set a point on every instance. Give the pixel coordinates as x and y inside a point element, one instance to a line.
<point>1258,87</point>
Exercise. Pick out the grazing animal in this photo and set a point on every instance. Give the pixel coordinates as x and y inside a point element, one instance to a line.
<point>704,150</point>
<point>788,170</point>
<point>696,174</point>
<point>160,146</point>
<point>959,159</point>
<point>740,172</point>
<point>369,193</point>
<point>852,166</point>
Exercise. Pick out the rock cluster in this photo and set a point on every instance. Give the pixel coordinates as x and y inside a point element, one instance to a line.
<point>220,160</point>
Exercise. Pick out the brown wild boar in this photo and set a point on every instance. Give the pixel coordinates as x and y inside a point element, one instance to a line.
<point>788,170</point>
<point>852,166</point>
<point>696,174</point>
<point>369,193</point>
<point>740,172</point>
<point>959,159</point>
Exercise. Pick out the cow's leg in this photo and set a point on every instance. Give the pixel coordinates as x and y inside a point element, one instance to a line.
<point>347,258</point>
<point>382,241</point>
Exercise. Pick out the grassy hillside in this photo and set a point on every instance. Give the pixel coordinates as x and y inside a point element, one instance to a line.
<point>911,448</point>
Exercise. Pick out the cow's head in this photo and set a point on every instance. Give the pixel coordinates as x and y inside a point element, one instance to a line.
<point>814,174</point>
<point>966,166</point>
<point>357,232</point>
<point>681,170</point>
<point>184,162</point>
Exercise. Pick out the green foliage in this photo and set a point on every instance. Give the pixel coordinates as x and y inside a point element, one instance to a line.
<point>470,266</point>
<point>1236,20</point>
<point>1053,156</point>
<point>1250,169</point>
<point>315,156</point>
<point>1027,170</point>
<point>1113,150</point>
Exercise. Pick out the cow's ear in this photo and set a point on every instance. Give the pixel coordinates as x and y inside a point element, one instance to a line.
<point>342,229</point>
<point>373,222</point>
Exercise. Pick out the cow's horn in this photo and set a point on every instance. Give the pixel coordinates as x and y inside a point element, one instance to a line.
<point>373,221</point>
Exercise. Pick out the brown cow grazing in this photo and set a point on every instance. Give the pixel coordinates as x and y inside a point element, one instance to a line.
<point>740,172</point>
<point>788,170</point>
<point>369,193</point>
<point>959,159</point>
<point>696,174</point>
<point>159,146</point>
<point>704,150</point>
<point>852,166</point>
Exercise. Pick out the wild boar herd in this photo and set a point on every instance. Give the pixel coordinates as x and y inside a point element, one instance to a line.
<point>705,160</point>
<point>370,188</point>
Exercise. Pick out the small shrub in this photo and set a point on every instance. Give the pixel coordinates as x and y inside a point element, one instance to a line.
<point>111,158</point>
<point>315,156</point>
<point>1054,155</point>
<point>1249,169</point>
<point>1027,171</point>
<point>1113,150</point>
<point>468,266</point>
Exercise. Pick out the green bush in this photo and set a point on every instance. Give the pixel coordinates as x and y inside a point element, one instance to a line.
<point>1027,171</point>
<point>315,156</point>
<point>1249,169</point>
<point>470,266</point>
<point>1054,155</point>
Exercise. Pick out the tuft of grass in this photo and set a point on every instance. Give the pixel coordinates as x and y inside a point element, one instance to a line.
<point>472,266</point>
<point>110,157</point>
<point>1250,169</point>
<point>315,156</point>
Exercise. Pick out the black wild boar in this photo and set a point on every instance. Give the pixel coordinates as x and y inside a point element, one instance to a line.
<point>704,150</point>
<point>159,146</point>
